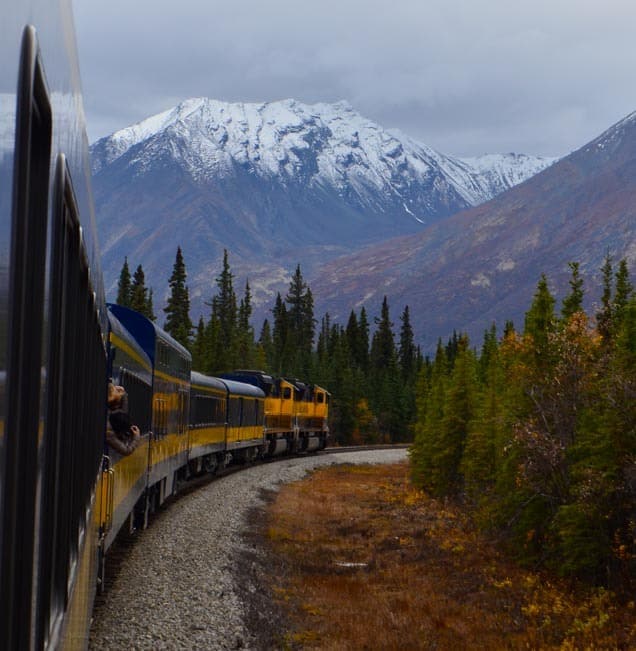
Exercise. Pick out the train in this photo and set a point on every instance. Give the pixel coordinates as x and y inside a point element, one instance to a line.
<point>65,493</point>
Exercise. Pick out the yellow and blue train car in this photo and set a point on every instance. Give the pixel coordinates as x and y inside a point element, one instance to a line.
<point>52,336</point>
<point>226,421</point>
<point>171,364</point>
<point>126,477</point>
<point>208,418</point>
<point>245,415</point>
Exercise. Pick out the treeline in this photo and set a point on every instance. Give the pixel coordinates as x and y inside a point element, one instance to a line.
<point>370,375</point>
<point>537,432</point>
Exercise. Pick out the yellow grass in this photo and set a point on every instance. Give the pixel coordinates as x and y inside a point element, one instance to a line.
<point>371,563</point>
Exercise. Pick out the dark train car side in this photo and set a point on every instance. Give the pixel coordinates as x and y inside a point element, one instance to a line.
<point>52,336</point>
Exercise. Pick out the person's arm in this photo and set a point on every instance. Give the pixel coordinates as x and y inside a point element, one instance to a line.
<point>121,446</point>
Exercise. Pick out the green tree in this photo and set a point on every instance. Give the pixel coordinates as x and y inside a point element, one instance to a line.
<point>624,291</point>
<point>140,296</point>
<point>573,302</point>
<point>459,409</point>
<point>246,348</point>
<point>431,400</point>
<point>124,286</point>
<point>540,320</point>
<point>178,323</point>
<point>605,316</point>
<point>223,322</point>
<point>300,324</point>
<point>407,350</point>
<point>280,350</point>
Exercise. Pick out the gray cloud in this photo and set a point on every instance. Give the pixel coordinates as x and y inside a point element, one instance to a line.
<point>465,77</point>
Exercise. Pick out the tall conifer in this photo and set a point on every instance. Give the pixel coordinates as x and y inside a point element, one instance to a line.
<point>140,296</point>
<point>573,302</point>
<point>178,323</point>
<point>124,286</point>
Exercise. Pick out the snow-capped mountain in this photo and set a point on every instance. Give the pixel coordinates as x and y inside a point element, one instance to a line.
<point>314,145</point>
<point>276,184</point>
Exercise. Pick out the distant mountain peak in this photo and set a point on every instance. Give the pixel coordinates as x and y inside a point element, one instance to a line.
<point>315,144</point>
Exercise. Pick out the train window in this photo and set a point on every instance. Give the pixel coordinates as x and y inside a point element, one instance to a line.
<point>206,410</point>
<point>320,397</point>
<point>32,158</point>
<point>139,399</point>
<point>286,393</point>
<point>260,412</point>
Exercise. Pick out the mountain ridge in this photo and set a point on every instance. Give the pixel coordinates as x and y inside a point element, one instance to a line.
<point>482,264</point>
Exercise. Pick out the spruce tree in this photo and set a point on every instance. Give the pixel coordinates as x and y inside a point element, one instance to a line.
<point>361,354</point>
<point>140,297</point>
<point>280,348</point>
<point>460,403</point>
<point>540,320</point>
<point>431,400</point>
<point>573,302</point>
<point>624,291</point>
<point>265,351</point>
<point>124,286</point>
<point>604,317</point>
<point>178,323</point>
<point>225,317</point>
<point>407,351</point>
<point>300,323</point>
<point>245,333</point>
<point>386,387</point>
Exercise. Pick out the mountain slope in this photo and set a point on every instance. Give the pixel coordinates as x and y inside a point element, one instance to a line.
<point>482,265</point>
<point>275,184</point>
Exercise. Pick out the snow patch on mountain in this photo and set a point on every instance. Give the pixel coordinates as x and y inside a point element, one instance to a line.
<point>313,146</point>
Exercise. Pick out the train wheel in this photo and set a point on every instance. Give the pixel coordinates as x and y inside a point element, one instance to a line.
<point>210,463</point>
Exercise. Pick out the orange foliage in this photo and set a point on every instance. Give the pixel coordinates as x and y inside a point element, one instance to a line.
<point>371,563</point>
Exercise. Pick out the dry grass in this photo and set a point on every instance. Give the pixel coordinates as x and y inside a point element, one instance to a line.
<point>364,561</point>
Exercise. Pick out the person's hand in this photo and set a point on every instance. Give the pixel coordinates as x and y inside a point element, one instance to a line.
<point>135,431</point>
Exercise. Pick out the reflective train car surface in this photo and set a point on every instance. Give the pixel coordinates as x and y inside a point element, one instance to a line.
<point>52,336</point>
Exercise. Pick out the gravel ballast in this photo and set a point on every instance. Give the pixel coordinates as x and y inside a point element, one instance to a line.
<point>182,584</point>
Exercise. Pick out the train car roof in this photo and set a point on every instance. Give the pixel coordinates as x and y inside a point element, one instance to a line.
<point>243,389</point>
<point>207,381</point>
<point>146,332</point>
<point>135,350</point>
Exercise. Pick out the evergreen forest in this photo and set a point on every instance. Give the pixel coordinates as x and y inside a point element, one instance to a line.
<point>534,429</point>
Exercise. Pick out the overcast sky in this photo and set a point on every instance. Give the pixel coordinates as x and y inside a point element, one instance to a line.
<point>465,77</point>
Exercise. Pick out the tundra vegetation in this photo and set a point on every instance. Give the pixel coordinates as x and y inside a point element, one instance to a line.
<point>359,558</point>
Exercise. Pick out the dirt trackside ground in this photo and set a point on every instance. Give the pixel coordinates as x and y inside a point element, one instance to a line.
<point>355,558</point>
